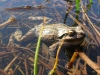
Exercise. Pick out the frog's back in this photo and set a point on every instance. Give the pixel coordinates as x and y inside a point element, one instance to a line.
<point>52,31</point>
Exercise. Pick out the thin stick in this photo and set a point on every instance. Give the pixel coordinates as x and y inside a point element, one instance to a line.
<point>10,20</point>
<point>84,27</point>
<point>56,61</point>
<point>40,70</point>
<point>72,60</point>
<point>3,72</point>
<point>18,64</point>
<point>21,71</point>
<point>8,66</point>
<point>90,21</point>
<point>98,62</point>
<point>89,62</point>
<point>76,67</point>
<point>46,65</point>
<point>26,66</point>
<point>6,53</point>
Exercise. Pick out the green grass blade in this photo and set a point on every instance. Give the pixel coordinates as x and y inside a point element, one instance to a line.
<point>77,5</point>
<point>36,56</point>
<point>90,1</point>
<point>37,50</point>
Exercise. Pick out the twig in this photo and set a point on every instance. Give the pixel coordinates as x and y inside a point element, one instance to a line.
<point>10,20</point>
<point>70,7</point>
<point>21,70</point>
<point>46,65</point>
<point>90,21</point>
<point>72,60</point>
<point>4,73</point>
<point>89,62</point>
<point>18,64</point>
<point>26,66</point>
<point>84,27</point>
<point>5,53</point>
<point>56,61</point>
<point>16,67</point>
<point>98,62</point>
<point>40,70</point>
<point>76,67</point>
<point>31,53</point>
<point>8,66</point>
<point>83,68</point>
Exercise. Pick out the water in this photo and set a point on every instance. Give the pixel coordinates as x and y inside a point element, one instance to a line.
<point>55,10</point>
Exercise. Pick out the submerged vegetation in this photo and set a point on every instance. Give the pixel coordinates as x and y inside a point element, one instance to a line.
<point>19,54</point>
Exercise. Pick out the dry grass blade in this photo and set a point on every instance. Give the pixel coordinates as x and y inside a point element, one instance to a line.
<point>73,58</point>
<point>90,21</point>
<point>26,66</point>
<point>53,71</point>
<point>76,66</point>
<point>89,62</point>
<point>8,66</point>
<point>4,73</point>
<point>46,65</point>
<point>4,53</point>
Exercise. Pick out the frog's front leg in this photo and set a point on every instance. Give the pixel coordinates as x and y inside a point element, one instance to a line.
<point>17,35</point>
<point>53,49</point>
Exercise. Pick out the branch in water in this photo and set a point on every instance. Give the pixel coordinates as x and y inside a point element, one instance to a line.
<point>10,20</point>
<point>89,62</point>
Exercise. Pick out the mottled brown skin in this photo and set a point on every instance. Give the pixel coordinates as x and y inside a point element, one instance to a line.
<point>54,33</point>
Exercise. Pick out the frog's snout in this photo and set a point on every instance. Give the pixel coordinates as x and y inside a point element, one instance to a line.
<point>71,32</point>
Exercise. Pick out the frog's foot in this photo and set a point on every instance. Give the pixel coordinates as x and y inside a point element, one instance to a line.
<point>18,35</point>
<point>53,49</point>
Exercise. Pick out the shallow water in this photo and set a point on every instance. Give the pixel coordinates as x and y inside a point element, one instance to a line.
<point>55,10</point>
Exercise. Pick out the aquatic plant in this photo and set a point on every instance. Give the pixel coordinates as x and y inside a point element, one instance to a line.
<point>37,50</point>
<point>28,52</point>
<point>77,5</point>
<point>91,1</point>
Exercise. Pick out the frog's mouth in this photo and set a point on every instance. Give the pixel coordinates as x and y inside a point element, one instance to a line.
<point>73,38</point>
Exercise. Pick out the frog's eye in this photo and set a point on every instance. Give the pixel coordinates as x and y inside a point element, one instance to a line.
<point>71,32</point>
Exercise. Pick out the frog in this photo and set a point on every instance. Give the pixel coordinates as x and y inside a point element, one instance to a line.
<point>53,34</point>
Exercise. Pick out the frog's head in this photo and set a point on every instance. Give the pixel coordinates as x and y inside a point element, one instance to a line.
<point>74,36</point>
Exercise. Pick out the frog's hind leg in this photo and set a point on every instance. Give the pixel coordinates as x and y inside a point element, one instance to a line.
<point>27,37</point>
<point>10,45</point>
